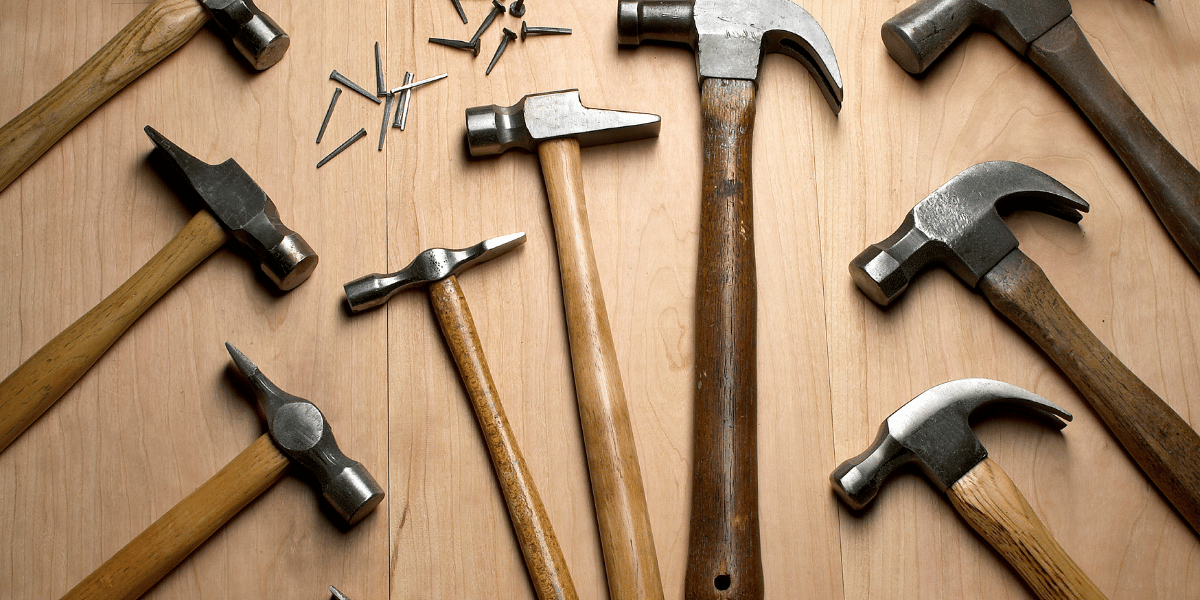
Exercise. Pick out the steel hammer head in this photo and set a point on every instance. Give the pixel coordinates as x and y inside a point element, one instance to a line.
<point>920,33</point>
<point>934,430</point>
<point>244,210</point>
<point>430,266</point>
<point>960,226</point>
<point>257,36</point>
<point>548,116</point>
<point>302,433</point>
<point>730,37</point>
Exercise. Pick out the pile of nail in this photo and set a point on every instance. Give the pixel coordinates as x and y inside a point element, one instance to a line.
<point>381,91</point>
<point>517,9</point>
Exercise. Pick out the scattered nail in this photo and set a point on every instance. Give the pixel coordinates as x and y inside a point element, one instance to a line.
<point>338,77</point>
<point>462,15</point>
<point>497,9</point>
<point>402,110</point>
<point>380,86</point>
<point>387,109</point>
<point>508,35</point>
<point>362,133</point>
<point>409,86</point>
<point>517,9</point>
<point>461,45</point>
<point>336,92</point>
<point>527,31</point>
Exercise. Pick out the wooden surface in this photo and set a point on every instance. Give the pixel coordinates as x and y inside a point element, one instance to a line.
<point>160,413</point>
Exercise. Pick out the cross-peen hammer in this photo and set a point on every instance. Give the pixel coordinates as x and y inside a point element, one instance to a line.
<point>297,433</point>
<point>959,226</point>
<point>1046,34</point>
<point>236,208</point>
<point>934,431</point>
<point>729,38</point>
<point>436,270</point>
<point>555,125</point>
<point>151,36</point>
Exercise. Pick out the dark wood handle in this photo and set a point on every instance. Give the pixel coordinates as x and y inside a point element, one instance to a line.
<point>724,557</point>
<point>145,560</point>
<point>994,507</point>
<point>1160,442</point>
<point>42,379</point>
<point>151,36</point>
<point>1169,181</point>
<point>630,560</point>
<point>543,557</point>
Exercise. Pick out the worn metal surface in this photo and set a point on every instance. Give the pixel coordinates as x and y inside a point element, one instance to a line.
<point>254,33</point>
<point>537,118</point>
<point>934,431</point>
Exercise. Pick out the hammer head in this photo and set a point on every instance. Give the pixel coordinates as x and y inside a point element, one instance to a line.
<point>254,34</point>
<point>301,432</point>
<point>428,267</point>
<point>934,430</point>
<point>920,33</point>
<point>244,210</point>
<point>548,116</point>
<point>730,37</point>
<point>960,226</point>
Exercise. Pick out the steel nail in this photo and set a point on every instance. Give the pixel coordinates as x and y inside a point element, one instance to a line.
<point>362,133</point>
<point>336,92</point>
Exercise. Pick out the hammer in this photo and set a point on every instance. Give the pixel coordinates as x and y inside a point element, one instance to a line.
<point>297,433</point>
<point>237,209</point>
<point>151,36</point>
<point>556,124</point>
<point>729,38</point>
<point>933,430</point>
<point>1046,34</point>
<point>959,225</point>
<point>436,269</point>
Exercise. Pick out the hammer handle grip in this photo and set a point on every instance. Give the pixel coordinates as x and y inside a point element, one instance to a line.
<point>135,568</point>
<point>630,560</point>
<point>724,554</point>
<point>994,507</point>
<point>543,558</point>
<point>1165,447</point>
<point>42,379</point>
<point>1170,183</point>
<point>152,35</point>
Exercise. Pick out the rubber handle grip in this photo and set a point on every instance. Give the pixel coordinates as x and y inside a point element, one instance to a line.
<point>630,560</point>
<point>543,557</point>
<point>1165,447</point>
<point>42,379</point>
<point>1169,181</point>
<point>151,36</point>
<point>724,554</point>
<point>994,507</point>
<point>135,568</point>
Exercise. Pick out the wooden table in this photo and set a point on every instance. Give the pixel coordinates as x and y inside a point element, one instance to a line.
<point>161,412</point>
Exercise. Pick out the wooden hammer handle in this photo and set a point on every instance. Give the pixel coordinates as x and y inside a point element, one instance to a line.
<point>1160,442</point>
<point>630,560</point>
<point>1171,184</point>
<point>543,557</point>
<point>135,568</point>
<point>152,35</point>
<point>995,508</point>
<point>724,555</point>
<point>42,379</point>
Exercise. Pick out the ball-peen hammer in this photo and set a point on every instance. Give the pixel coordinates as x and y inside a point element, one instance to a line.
<point>234,208</point>
<point>729,38</point>
<point>156,32</point>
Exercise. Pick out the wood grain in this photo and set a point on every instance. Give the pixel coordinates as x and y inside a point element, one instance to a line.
<point>630,560</point>
<point>162,546</point>
<point>996,509</point>
<point>1156,437</point>
<point>42,379</point>
<point>155,33</point>
<point>724,555</point>
<point>543,557</point>
<point>157,415</point>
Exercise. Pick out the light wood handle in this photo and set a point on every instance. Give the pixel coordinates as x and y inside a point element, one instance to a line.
<point>630,560</point>
<point>150,37</point>
<point>543,557</point>
<point>1155,436</point>
<point>1171,184</point>
<point>42,379</point>
<point>724,554</point>
<point>995,508</point>
<point>166,543</point>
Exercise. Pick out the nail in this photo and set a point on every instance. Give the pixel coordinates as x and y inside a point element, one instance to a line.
<point>497,9</point>
<point>387,109</point>
<point>508,35</point>
<point>402,111</point>
<point>380,86</point>
<point>517,9</point>
<point>527,31</point>
<point>338,77</point>
<point>409,86</point>
<point>362,133</point>
<point>462,15</point>
<point>461,45</point>
<point>336,92</point>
